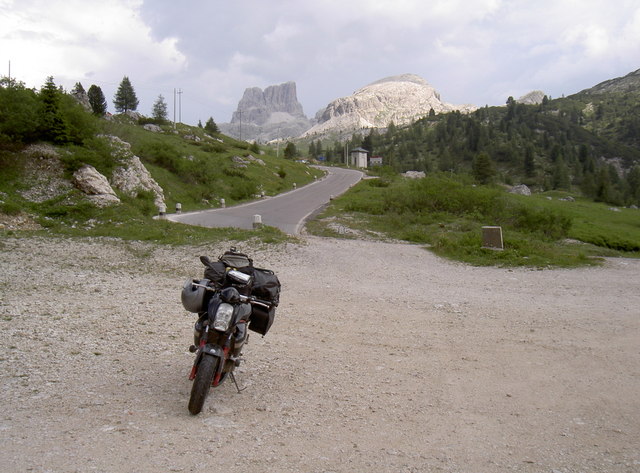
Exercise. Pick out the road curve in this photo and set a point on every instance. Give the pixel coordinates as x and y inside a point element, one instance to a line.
<point>286,211</point>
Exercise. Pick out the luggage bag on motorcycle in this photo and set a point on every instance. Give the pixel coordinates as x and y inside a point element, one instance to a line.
<point>235,259</point>
<point>261,319</point>
<point>266,287</point>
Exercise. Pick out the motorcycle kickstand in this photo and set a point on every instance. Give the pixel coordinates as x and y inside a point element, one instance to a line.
<point>233,377</point>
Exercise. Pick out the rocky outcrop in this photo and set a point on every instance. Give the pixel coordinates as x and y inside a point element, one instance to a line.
<point>95,185</point>
<point>264,115</point>
<point>535,97</point>
<point>520,190</point>
<point>44,174</point>
<point>132,176</point>
<point>257,106</point>
<point>83,99</point>
<point>399,99</point>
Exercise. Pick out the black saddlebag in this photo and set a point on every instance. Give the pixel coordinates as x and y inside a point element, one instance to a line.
<point>266,285</point>
<point>262,319</point>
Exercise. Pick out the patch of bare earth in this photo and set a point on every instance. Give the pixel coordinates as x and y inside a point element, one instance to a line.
<point>382,358</point>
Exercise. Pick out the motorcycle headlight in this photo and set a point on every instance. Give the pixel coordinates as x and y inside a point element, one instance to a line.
<point>224,314</point>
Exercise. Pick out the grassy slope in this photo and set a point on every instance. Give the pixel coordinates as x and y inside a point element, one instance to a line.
<point>534,227</point>
<point>196,173</point>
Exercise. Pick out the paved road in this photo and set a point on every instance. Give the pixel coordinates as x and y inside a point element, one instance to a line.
<point>285,211</point>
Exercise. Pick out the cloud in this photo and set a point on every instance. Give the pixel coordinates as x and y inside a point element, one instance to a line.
<point>74,40</point>
<point>471,51</point>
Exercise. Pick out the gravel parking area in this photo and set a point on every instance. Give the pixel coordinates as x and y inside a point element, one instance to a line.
<point>382,358</point>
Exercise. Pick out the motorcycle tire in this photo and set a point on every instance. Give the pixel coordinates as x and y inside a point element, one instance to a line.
<point>202,383</point>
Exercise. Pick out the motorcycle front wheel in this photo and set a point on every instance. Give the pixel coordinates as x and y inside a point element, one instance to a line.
<point>202,383</point>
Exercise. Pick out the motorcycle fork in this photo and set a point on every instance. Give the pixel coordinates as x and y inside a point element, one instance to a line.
<point>203,341</point>
<point>216,378</point>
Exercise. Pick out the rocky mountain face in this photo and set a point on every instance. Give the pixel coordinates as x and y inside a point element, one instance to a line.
<point>399,99</point>
<point>264,115</point>
<point>628,83</point>
<point>534,97</point>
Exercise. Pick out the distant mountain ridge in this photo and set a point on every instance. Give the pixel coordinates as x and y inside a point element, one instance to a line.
<point>400,99</point>
<point>275,113</point>
<point>264,115</point>
<point>628,83</point>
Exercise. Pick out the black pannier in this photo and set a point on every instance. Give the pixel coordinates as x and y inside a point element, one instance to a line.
<point>266,285</point>
<point>262,319</point>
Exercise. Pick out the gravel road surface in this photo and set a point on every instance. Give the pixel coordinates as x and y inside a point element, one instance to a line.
<point>382,358</point>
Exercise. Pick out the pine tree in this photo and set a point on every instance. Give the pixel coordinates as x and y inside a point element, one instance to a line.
<point>125,99</point>
<point>77,89</point>
<point>97,101</point>
<point>53,126</point>
<point>483,169</point>
<point>560,175</point>
<point>529,163</point>
<point>290,151</point>
<point>633,184</point>
<point>159,112</point>
<point>603,185</point>
<point>211,126</point>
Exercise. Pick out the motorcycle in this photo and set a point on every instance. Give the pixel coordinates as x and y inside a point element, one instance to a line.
<point>231,299</point>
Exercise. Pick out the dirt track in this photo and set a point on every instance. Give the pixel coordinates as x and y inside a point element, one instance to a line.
<point>382,358</point>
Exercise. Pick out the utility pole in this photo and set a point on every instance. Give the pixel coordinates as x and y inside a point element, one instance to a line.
<point>180,105</point>
<point>174,108</point>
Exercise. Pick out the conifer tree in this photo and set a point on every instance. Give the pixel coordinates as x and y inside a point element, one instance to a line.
<point>97,101</point>
<point>53,126</point>
<point>211,126</point>
<point>77,89</point>
<point>483,168</point>
<point>159,112</point>
<point>125,99</point>
<point>290,151</point>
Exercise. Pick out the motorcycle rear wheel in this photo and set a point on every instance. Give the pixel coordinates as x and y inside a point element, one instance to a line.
<point>202,383</point>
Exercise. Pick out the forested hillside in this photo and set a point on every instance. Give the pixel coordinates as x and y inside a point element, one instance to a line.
<point>587,142</point>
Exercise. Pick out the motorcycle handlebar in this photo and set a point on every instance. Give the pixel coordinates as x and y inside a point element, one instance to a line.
<point>249,299</point>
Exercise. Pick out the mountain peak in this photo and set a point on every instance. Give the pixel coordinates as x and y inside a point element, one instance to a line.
<point>414,78</point>
<point>400,99</point>
<point>264,115</point>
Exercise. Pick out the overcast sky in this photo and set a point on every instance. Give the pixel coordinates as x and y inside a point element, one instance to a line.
<point>471,51</point>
